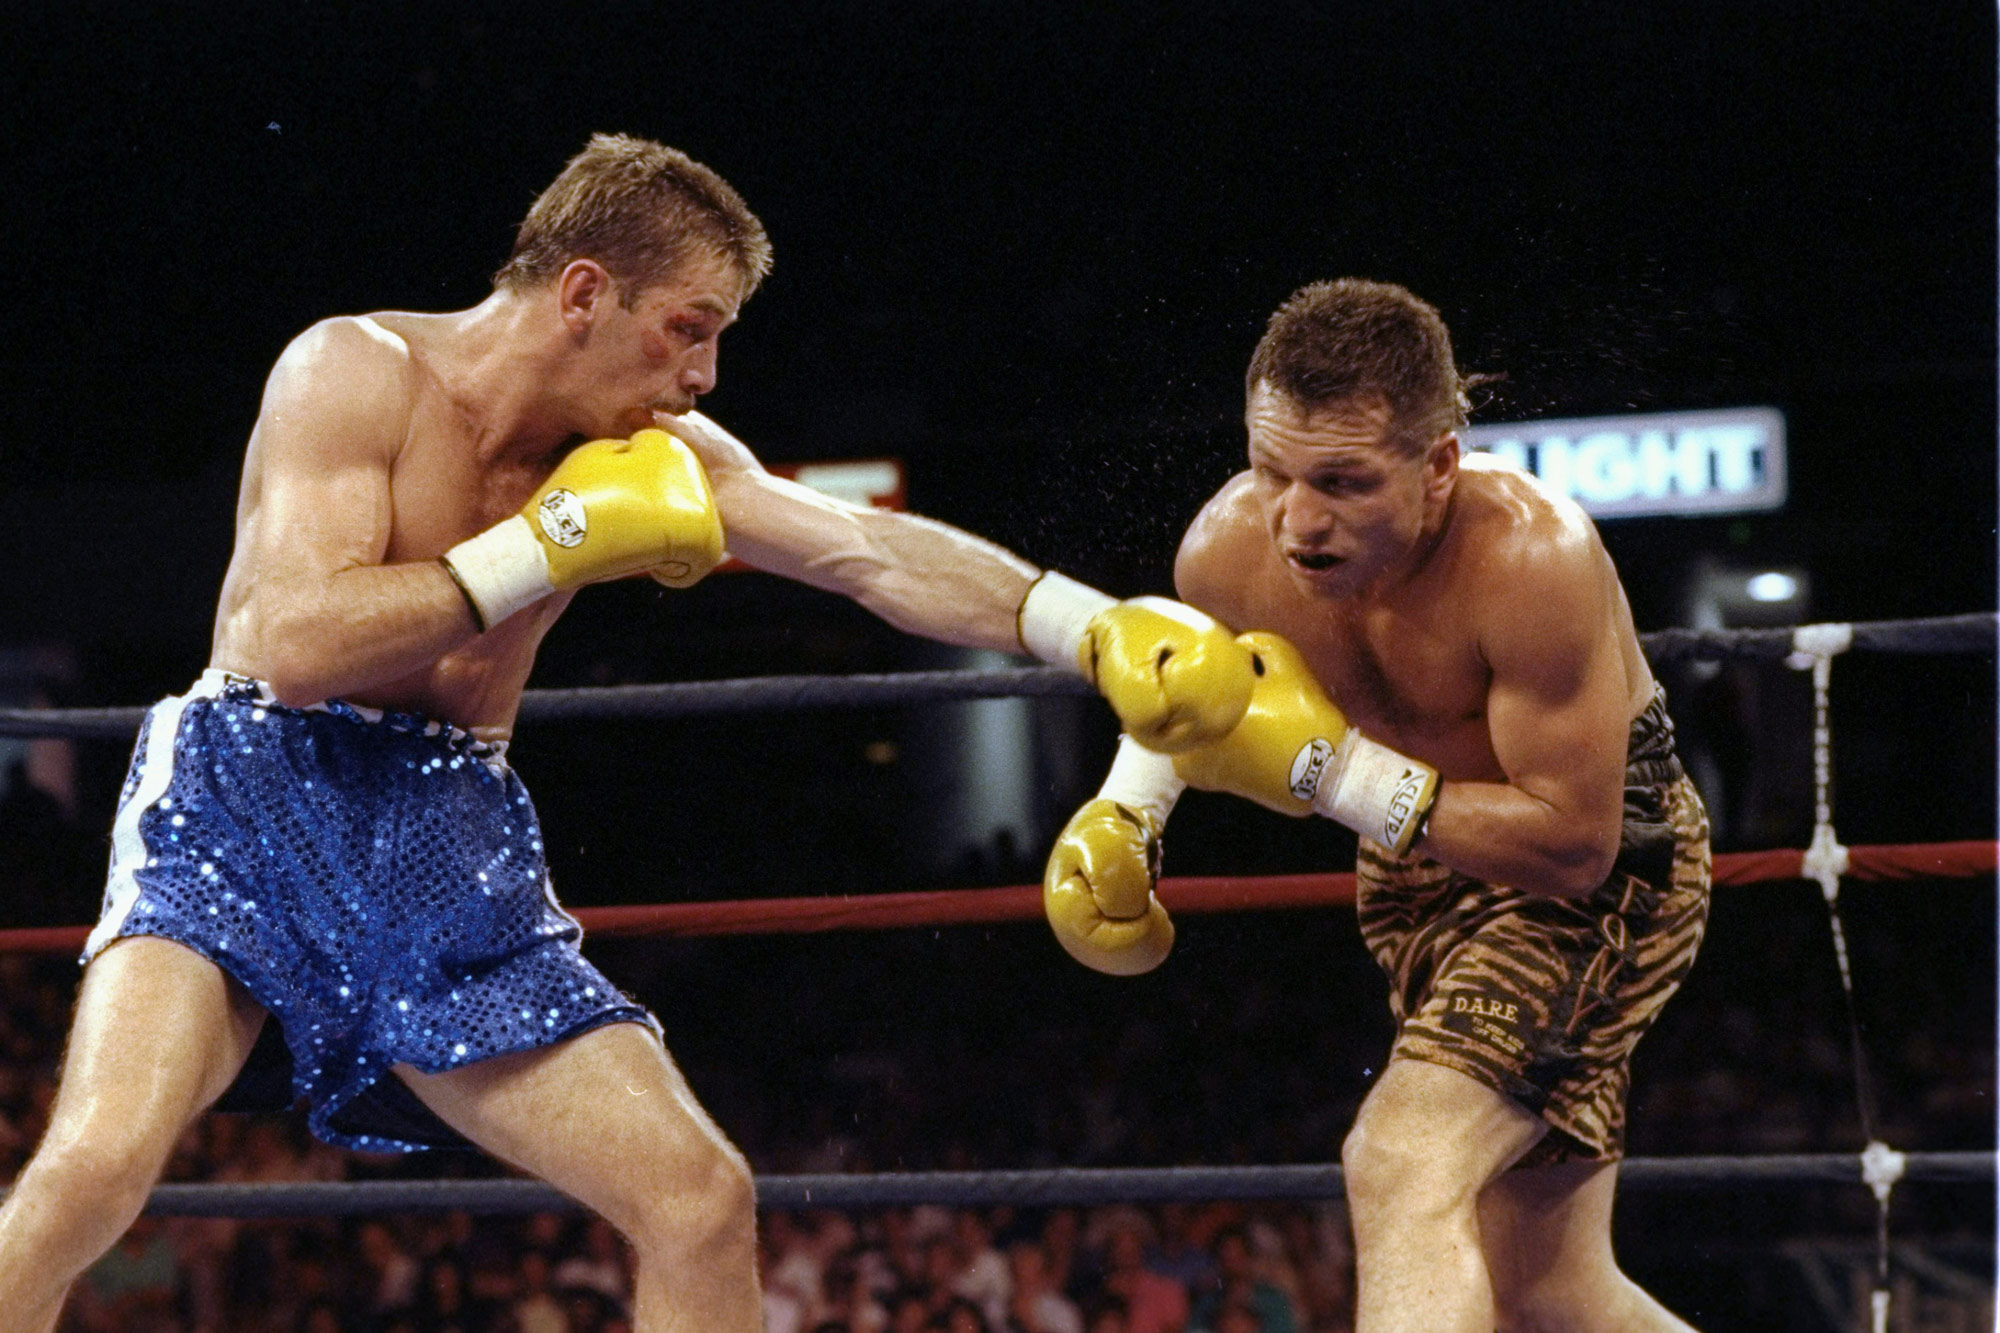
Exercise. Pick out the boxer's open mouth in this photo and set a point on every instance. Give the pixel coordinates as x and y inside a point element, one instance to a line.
<point>1315,560</point>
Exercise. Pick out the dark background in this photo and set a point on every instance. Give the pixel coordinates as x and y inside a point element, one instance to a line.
<point>1027,248</point>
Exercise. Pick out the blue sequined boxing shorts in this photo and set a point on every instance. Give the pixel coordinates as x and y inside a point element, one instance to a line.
<point>375,880</point>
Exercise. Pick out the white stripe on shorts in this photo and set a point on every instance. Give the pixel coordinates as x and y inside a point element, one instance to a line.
<point>128,848</point>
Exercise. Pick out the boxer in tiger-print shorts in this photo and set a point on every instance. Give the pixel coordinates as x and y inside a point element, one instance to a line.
<point>1544,998</point>
<point>1445,662</point>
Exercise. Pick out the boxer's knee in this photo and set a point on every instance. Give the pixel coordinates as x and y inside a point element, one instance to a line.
<point>702,1208</point>
<point>104,1172</point>
<point>1394,1179</point>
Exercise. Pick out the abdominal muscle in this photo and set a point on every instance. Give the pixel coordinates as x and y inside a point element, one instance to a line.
<point>477,688</point>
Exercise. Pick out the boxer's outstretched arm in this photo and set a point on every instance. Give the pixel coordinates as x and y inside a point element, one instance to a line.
<point>921,576</point>
<point>1175,677</point>
<point>1559,712</point>
<point>308,605</point>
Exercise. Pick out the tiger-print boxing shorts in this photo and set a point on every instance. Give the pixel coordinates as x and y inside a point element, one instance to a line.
<point>1544,998</point>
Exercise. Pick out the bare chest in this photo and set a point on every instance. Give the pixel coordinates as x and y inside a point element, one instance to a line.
<point>1411,679</point>
<point>441,492</point>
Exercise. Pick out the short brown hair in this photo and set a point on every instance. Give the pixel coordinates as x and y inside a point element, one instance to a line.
<point>640,209</point>
<point>1353,338</point>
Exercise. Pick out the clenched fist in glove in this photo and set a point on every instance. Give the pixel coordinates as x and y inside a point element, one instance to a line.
<point>1295,753</point>
<point>1176,678</point>
<point>1098,890</point>
<point>610,508</point>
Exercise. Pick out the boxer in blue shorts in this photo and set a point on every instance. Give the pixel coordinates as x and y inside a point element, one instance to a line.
<point>324,830</point>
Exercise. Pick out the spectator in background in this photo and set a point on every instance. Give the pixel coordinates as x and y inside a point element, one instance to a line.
<point>134,1287</point>
<point>1154,1302</point>
<point>1322,1249</point>
<point>1184,1251</point>
<point>1036,1306</point>
<point>960,1316</point>
<point>587,1311</point>
<point>1109,1316</point>
<point>901,1258</point>
<point>536,1309</point>
<point>793,1265</point>
<point>322,1317</point>
<point>1238,1317</point>
<point>909,1312</point>
<point>941,1272</point>
<point>849,1306</point>
<point>442,1301</point>
<point>1070,1268</point>
<point>391,1274</point>
<point>1242,1286</point>
<point>599,1262</point>
<point>983,1276</point>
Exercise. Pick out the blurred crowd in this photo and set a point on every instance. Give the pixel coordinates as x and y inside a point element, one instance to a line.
<point>1228,1268</point>
<point>1728,1077</point>
<point>986,1048</point>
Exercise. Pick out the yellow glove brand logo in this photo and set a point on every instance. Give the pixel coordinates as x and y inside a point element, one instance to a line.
<point>561,516</point>
<point>1307,766</point>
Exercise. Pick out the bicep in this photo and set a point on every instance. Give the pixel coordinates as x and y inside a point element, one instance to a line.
<point>1557,703</point>
<point>323,447</point>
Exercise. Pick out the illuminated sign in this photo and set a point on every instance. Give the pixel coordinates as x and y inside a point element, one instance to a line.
<point>873,482</point>
<point>1727,462</point>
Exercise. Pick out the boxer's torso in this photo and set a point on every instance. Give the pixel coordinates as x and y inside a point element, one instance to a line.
<point>445,483</point>
<point>1405,663</point>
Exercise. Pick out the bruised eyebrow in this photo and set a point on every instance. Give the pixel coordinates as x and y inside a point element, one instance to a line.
<point>705,307</point>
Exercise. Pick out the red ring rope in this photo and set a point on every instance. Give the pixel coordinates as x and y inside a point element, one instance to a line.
<point>1187,894</point>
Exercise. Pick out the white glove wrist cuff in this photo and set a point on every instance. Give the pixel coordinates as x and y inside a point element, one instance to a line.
<point>1144,780</point>
<point>501,570</point>
<point>1054,616</point>
<point>1377,792</point>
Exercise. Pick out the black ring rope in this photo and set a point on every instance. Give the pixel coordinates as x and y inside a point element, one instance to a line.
<point>1978,632</point>
<point>1074,1186</point>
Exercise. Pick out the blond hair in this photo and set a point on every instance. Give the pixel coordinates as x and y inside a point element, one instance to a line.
<point>641,209</point>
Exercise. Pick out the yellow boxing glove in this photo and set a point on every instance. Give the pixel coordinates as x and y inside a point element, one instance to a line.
<point>1176,677</point>
<point>1294,753</point>
<point>611,508</point>
<point>1098,889</point>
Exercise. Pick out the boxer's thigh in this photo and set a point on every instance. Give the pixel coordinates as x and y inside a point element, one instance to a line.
<point>158,1034</point>
<point>604,1116</point>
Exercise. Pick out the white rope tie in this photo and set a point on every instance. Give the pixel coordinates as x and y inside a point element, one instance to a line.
<point>1813,649</point>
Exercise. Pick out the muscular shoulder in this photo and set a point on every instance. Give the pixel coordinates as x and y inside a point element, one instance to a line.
<point>347,380</point>
<point>1515,529</point>
<point>357,345</point>
<point>1535,567</point>
<point>1216,550</point>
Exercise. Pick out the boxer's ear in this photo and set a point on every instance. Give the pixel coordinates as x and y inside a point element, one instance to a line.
<point>1441,465</point>
<point>583,290</point>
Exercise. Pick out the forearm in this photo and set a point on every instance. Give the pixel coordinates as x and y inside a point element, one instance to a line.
<point>1503,834</point>
<point>928,578</point>
<point>344,633</point>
